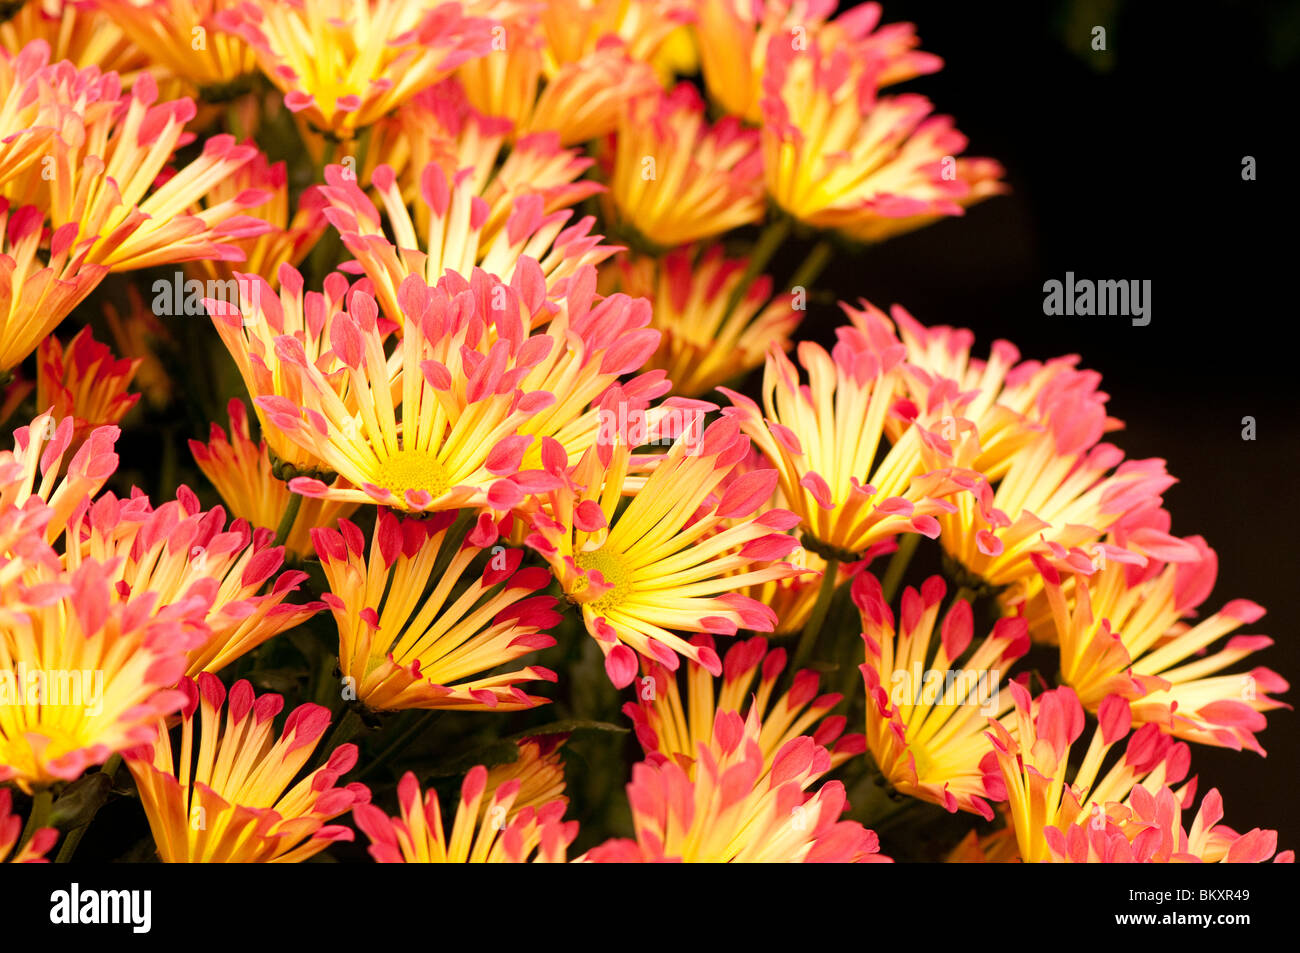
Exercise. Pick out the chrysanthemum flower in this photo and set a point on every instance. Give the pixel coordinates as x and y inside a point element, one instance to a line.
<point>675,179</point>
<point>926,715</point>
<point>105,174</point>
<point>28,121</point>
<point>490,826</point>
<point>1123,632</point>
<point>1148,830</point>
<point>1031,754</point>
<point>33,474</point>
<point>460,233</point>
<point>84,675</point>
<point>570,67</point>
<point>84,381</point>
<point>75,31</point>
<point>703,346</point>
<point>823,438</point>
<point>837,156</point>
<point>241,471</point>
<point>226,796</point>
<point>538,768</point>
<point>11,828</point>
<point>290,237</point>
<point>181,36</point>
<point>675,557</point>
<point>737,32</point>
<point>343,64</point>
<point>36,295</point>
<point>177,550</point>
<point>737,806</point>
<point>671,730</point>
<point>441,126</point>
<point>998,847</point>
<point>404,645</point>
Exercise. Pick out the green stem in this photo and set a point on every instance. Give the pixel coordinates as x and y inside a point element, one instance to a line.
<point>812,266</point>
<point>898,564</point>
<point>42,802</point>
<point>768,242</point>
<point>286,521</point>
<point>73,837</point>
<point>814,625</point>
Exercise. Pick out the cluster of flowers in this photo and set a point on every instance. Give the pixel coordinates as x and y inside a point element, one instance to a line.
<point>488,416</point>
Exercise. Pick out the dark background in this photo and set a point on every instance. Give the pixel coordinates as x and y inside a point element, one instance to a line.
<point>1126,164</point>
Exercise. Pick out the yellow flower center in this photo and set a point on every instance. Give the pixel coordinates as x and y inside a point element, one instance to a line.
<point>412,470</point>
<point>610,565</point>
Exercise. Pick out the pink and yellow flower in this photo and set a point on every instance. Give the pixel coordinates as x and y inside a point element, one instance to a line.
<point>36,295</point>
<point>1122,631</point>
<point>671,730</point>
<point>460,234</point>
<point>84,675</point>
<point>1148,830</point>
<point>675,179</point>
<point>702,345</point>
<point>344,64</point>
<point>737,33</point>
<point>1031,756</point>
<point>177,551</point>
<point>181,36</point>
<point>75,31</point>
<point>674,558</point>
<point>926,716</point>
<point>225,797</point>
<point>838,156</point>
<point>84,381</point>
<point>404,645</point>
<point>736,806</point>
<point>490,826</point>
<point>823,438</point>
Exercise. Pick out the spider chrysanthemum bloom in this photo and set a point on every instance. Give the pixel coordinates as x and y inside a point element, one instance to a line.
<point>181,37</point>
<point>38,289</point>
<point>671,729</point>
<point>11,829</point>
<point>674,558</point>
<point>441,126</point>
<point>737,33</point>
<point>241,470</point>
<point>927,712</point>
<point>571,67</point>
<point>1149,830</point>
<point>462,232</point>
<point>824,436</point>
<point>75,31</point>
<point>537,767</point>
<point>34,473</point>
<point>226,796</point>
<point>675,178</point>
<point>28,121</point>
<point>343,64</point>
<point>702,345</point>
<point>83,674</point>
<point>1122,631</point>
<point>84,381</point>
<point>838,156</point>
<point>407,640</point>
<point>178,549</point>
<point>105,173</point>
<point>736,806</point>
<point>1031,756</point>
<point>490,826</point>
